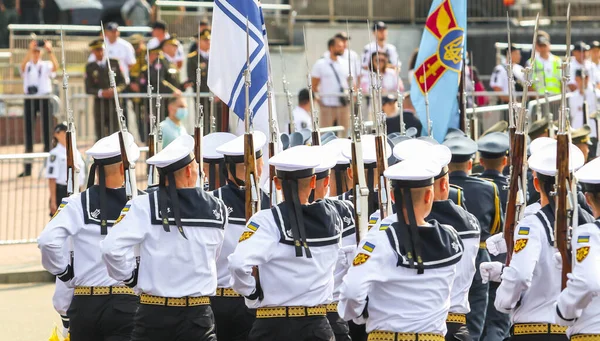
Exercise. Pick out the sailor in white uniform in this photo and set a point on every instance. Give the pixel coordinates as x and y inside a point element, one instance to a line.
<point>578,305</point>
<point>179,232</point>
<point>285,260</point>
<point>340,180</point>
<point>404,259</point>
<point>103,308</point>
<point>214,162</point>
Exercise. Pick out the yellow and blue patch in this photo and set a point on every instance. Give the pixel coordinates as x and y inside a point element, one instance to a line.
<point>373,220</point>
<point>60,207</point>
<point>245,235</point>
<point>253,226</point>
<point>383,227</point>
<point>524,231</point>
<point>368,247</point>
<point>583,239</point>
<point>123,213</point>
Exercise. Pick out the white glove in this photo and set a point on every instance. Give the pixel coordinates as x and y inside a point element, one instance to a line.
<point>348,254</point>
<point>557,260</point>
<point>496,244</point>
<point>490,271</point>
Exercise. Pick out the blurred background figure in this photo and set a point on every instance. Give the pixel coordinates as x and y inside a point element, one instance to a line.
<point>136,12</point>
<point>172,126</point>
<point>9,14</point>
<point>380,33</point>
<point>302,112</point>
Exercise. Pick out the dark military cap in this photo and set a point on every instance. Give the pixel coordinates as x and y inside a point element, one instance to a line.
<point>96,44</point>
<point>463,148</point>
<point>454,132</point>
<point>581,46</point>
<point>306,134</point>
<point>543,38</point>
<point>112,26</point>
<point>342,35</point>
<point>296,139</point>
<point>328,137</point>
<point>159,24</point>
<point>285,140</point>
<point>499,126</point>
<point>388,99</point>
<point>538,128</point>
<point>172,40</point>
<point>393,140</point>
<point>60,127</point>
<point>379,26</point>
<point>513,47</point>
<point>595,44</point>
<point>493,145</point>
<point>581,135</point>
<point>204,34</point>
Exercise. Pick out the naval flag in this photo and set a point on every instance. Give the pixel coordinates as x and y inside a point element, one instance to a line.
<point>228,59</point>
<point>439,64</point>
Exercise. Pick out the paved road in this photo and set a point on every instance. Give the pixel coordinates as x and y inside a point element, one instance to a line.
<point>26,312</point>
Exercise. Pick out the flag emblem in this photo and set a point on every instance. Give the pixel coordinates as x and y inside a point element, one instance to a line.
<point>524,231</point>
<point>253,226</point>
<point>368,247</point>
<point>583,239</point>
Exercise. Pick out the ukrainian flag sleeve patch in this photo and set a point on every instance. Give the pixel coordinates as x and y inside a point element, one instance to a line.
<point>368,247</point>
<point>524,231</point>
<point>60,207</point>
<point>583,239</point>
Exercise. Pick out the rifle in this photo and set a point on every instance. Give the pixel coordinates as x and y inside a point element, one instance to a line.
<point>427,116</point>
<point>153,137</point>
<point>511,84</point>
<point>128,167</point>
<point>464,120</point>
<point>288,94</point>
<point>360,198</point>
<point>72,164</point>
<point>252,192</point>
<point>473,117</point>
<point>316,133</point>
<point>273,135</point>
<point>516,200</point>
<point>400,97</point>
<point>158,105</point>
<point>564,206</point>
<point>199,124</point>
<point>213,121</point>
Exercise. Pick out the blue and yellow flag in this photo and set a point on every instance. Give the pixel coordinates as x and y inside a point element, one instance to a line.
<point>439,64</point>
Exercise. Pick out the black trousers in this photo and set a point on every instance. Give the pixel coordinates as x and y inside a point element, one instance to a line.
<point>102,318</point>
<point>161,323</point>
<point>457,332</point>
<point>106,121</point>
<point>232,318</point>
<point>31,108</point>
<point>358,332</point>
<point>340,327</point>
<point>311,328</point>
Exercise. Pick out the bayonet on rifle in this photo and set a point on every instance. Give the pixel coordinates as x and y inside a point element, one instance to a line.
<point>427,116</point>
<point>273,134</point>
<point>316,133</point>
<point>199,124</point>
<point>72,159</point>
<point>129,167</point>
<point>400,96</point>
<point>288,95</point>
<point>153,136</point>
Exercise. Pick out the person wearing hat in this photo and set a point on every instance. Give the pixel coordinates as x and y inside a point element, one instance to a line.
<point>284,262</point>
<point>531,284</point>
<point>582,104</point>
<point>402,253</point>
<point>56,168</point>
<point>169,48</point>
<point>160,34</point>
<point>102,306</point>
<point>579,62</point>
<point>499,80</point>
<point>380,33</point>
<point>546,67</point>
<point>340,179</point>
<point>484,203</point>
<point>97,83</point>
<point>163,71</point>
<point>214,162</point>
<point>118,48</point>
<point>202,25</point>
<point>179,232</point>
<point>392,113</point>
<point>232,317</point>
<point>539,128</point>
<point>203,48</point>
<point>595,63</point>
<point>577,305</point>
<point>302,112</point>
<point>581,138</point>
<point>37,77</point>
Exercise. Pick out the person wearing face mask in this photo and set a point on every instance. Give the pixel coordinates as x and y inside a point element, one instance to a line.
<point>172,126</point>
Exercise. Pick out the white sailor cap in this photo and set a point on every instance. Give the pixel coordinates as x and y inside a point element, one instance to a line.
<point>299,158</point>
<point>423,150</point>
<point>413,173</point>
<point>543,161</point>
<point>328,159</point>
<point>109,147</point>
<point>176,155</point>
<point>211,142</point>
<point>336,147</point>
<point>235,147</point>
<point>589,176</point>
<point>540,143</point>
<point>369,153</point>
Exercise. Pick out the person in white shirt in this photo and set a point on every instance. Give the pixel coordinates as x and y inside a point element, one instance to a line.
<point>329,78</point>
<point>118,48</point>
<point>582,104</point>
<point>302,112</point>
<point>595,63</point>
<point>500,82</point>
<point>56,168</point>
<point>380,32</point>
<point>355,59</point>
<point>579,62</point>
<point>37,75</point>
<point>159,33</point>
<point>390,83</point>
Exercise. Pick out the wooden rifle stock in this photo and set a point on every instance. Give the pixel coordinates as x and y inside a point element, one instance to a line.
<point>272,189</point>
<point>561,227</point>
<point>70,165</point>
<point>510,220</point>
<point>252,197</point>
<point>198,144</point>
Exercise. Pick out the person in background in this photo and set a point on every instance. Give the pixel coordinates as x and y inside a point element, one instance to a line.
<point>595,63</point>
<point>172,126</point>
<point>546,67</point>
<point>581,139</point>
<point>159,34</point>
<point>202,25</point>
<point>118,48</point>
<point>161,69</point>
<point>391,110</point>
<point>582,103</point>
<point>203,39</point>
<point>56,168</point>
<point>170,47</point>
<point>500,82</point>
<point>138,76</point>
<point>390,83</point>
<point>329,79</point>
<point>302,112</point>
<point>31,12</point>
<point>381,34</point>
<point>579,62</point>
<point>9,14</point>
<point>136,12</point>
<point>37,75</point>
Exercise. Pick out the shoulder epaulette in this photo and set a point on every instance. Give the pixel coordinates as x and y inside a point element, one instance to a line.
<point>192,54</point>
<point>456,186</point>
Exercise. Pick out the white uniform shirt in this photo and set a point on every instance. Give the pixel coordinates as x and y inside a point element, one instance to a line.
<point>286,280</point>
<point>532,278</point>
<point>56,167</point>
<point>356,61</point>
<point>39,75</point>
<point>389,82</point>
<point>88,267</point>
<point>329,87</point>
<point>180,56</point>
<point>427,295</point>
<point>302,119</point>
<point>170,265</point>
<point>500,76</point>
<point>121,50</point>
<point>465,271</point>
<point>595,75</point>
<point>579,300</point>
<point>575,65</point>
<point>63,295</point>
<point>372,47</point>
<point>576,103</point>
